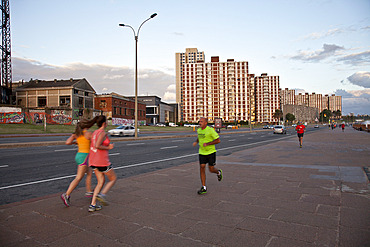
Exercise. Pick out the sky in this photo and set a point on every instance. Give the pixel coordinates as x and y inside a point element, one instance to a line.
<point>319,46</point>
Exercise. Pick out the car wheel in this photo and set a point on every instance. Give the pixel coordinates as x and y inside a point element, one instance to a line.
<point>121,134</point>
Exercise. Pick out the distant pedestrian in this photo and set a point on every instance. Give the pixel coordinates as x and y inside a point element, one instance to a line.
<point>343,126</point>
<point>300,131</point>
<point>99,162</point>
<point>81,137</point>
<point>207,138</point>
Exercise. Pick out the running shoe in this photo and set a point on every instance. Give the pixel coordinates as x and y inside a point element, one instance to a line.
<point>300,146</point>
<point>202,191</point>
<point>89,194</point>
<point>93,208</point>
<point>219,176</point>
<point>66,199</point>
<point>101,198</point>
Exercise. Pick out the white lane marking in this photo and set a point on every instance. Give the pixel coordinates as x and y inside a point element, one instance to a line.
<point>114,154</point>
<point>178,141</point>
<point>63,150</point>
<point>139,164</point>
<point>232,140</point>
<point>250,138</point>
<point>170,147</point>
<point>241,135</point>
<point>226,136</point>
<point>135,144</point>
<point>3,166</point>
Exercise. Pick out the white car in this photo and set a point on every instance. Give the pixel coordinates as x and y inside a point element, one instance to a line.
<point>123,130</point>
<point>279,129</point>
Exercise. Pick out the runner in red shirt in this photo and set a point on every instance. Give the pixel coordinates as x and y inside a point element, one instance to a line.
<point>300,131</point>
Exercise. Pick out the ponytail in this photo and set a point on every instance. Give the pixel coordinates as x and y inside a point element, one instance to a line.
<point>87,124</point>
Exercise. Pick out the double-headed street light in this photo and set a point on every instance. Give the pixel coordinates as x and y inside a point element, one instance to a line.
<point>136,40</point>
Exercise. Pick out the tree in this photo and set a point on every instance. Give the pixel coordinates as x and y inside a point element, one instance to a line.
<point>325,115</point>
<point>290,117</point>
<point>278,114</point>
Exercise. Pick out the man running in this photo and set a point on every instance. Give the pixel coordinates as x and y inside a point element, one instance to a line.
<point>207,139</point>
<point>300,131</point>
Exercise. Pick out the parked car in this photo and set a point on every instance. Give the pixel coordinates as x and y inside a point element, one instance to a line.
<point>172,124</point>
<point>279,129</point>
<point>294,125</point>
<point>123,130</point>
<point>316,126</point>
<point>160,125</point>
<point>266,127</point>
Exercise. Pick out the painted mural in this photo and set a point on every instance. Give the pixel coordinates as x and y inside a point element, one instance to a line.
<point>11,117</point>
<point>122,121</point>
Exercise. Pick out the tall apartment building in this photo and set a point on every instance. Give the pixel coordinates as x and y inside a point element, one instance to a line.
<point>334,103</point>
<point>267,98</point>
<point>287,96</point>
<point>315,100</point>
<point>215,90</point>
<point>191,55</point>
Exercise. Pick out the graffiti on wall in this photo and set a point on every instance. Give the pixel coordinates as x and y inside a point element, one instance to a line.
<point>11,117</point>
<point>60,117</point>
<point>122,121</point>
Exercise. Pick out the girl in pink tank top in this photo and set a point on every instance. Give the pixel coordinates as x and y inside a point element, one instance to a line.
<point>99,162</point>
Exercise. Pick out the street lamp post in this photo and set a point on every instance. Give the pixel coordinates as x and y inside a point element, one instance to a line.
<point>136,40</point>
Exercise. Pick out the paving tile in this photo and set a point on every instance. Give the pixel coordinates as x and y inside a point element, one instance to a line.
<point>9,237</point>
<point>86,238</point>
<point>353,217</point>
<point>244,210</point>
<point>212,216</point>
<point>290,205</point>
<point>240,237</point>
<point>208,233</point>
<point>156,206</point>
<point>325,200</point>
<point>304,218</point>
<point>150,237</point>
<point>282,242</point>
<point>46,230</point>
<point>327,210</point>
<point>351,200</point>
<point>278,195</point>
<point>352,237</point>
<point>327,237</point>
<point>161,222</point>
<point>106,226</point>
<point>279,228</point>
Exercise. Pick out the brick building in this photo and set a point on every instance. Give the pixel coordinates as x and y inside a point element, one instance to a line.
<point>119,108</point>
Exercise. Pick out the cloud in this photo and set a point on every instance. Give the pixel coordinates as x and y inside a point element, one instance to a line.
<point>170,97</point>
<point>361,78</point>
<point>172,88</point>
<point>357,58</point>
<point>318,35</point>
<point>354,101</point>
<point>327,51</point>
<point>178,34</point>
<point>103,78</point>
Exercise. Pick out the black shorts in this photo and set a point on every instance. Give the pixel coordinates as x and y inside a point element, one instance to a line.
<point>300,134</point>
<point>102,168</point>
<point>209,159</point>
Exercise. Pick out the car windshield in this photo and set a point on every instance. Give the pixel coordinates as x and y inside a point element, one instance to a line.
<point>278,127</point>
<point>120,127</point>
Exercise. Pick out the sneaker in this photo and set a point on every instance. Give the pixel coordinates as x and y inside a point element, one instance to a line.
<point>66,199</point>
<point>202,191</point>
<point>300,146</point>
<point>93,208</point>
<point>219,176</point>
<point>102,199</point>
<point>89,194</point>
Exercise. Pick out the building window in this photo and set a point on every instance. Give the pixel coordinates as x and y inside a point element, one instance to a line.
<point>80,102</point>
<point>64,100</point>
<point>41,101</point>
<point>86,94</point>
<point>103,104</point>
<point>75,91</point>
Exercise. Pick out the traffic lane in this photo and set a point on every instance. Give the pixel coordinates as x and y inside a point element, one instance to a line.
<point>128,159</point>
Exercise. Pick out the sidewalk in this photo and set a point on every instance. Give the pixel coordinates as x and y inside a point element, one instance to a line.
<point>272,195</point>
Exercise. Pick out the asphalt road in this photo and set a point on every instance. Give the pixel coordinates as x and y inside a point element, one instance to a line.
<point>38,171</point>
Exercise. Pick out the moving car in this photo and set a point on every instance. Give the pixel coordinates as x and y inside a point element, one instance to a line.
<point>123,130</point>
<point>316,126</point>
<point>266,127</point>
<point>279,129</point>
<point>160,125</point>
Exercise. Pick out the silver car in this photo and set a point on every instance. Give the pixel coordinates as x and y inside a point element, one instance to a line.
<point>123,130</point>
<point>279,129</point>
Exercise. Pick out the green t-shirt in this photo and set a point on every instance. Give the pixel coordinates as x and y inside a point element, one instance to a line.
<point>207,135</point>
